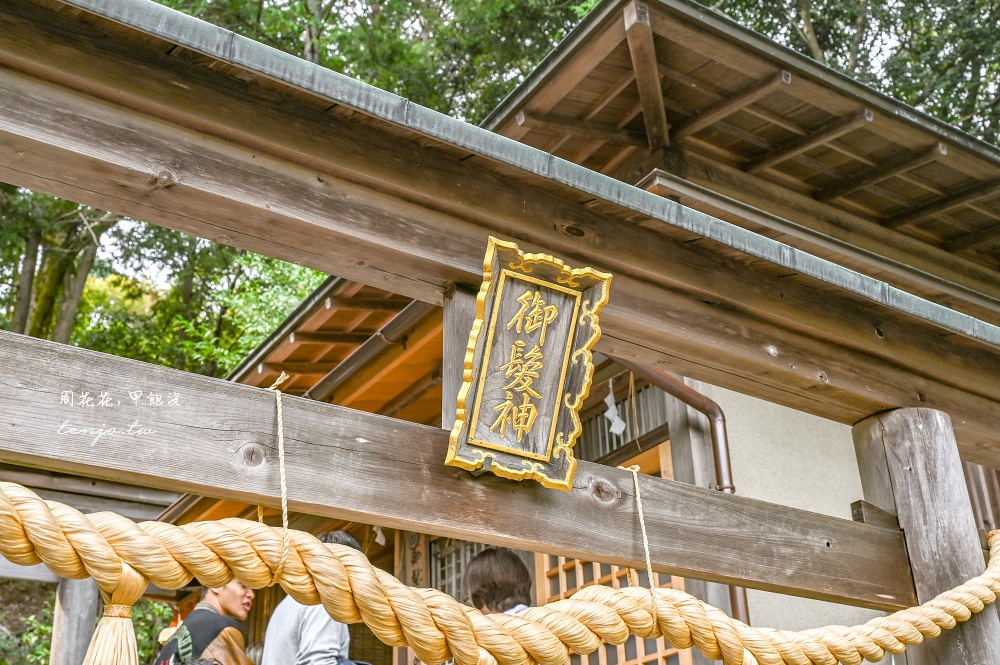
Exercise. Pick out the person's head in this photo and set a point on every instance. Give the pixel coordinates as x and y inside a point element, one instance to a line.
<point>339,538</point>
<point>232,600</point>
<point>496,580</point>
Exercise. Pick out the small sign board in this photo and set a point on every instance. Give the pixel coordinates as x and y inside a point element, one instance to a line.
<point>528,366</point>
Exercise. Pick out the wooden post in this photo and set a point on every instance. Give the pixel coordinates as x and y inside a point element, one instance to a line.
<point>78,604</point>
<point>691,455</point>
<point>459,314</point>
<point>910,466</point>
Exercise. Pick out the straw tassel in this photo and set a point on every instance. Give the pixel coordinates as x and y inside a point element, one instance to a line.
<point>114,642</point>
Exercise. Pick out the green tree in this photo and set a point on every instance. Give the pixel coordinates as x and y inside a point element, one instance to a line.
<point>218,302</point>
<point>460,57</point>
<point>943,58</point>
<point>31,646</point>
<point>49,246</point>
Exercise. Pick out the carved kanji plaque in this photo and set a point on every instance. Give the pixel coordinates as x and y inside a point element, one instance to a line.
<point>528,366</point>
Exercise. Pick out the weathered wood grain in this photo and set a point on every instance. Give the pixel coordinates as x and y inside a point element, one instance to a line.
<point>358,466</point>
<point>459,315</point>
<point>642,49</point>
<point>349,200</point>
<point>74,620</point>
<point>925,473</point>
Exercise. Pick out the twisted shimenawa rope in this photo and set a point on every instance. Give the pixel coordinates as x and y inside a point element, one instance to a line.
<point>121,556</point>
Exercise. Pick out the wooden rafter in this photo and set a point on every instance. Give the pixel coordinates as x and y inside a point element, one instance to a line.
<point>889,169</point>
<point>726,107</point>
<point>380,366</point>
<point>612,94</point>
<point>972,194</point>
<point>373,304</point>
<point>581,129</point>
<point>834,130</point>
<point>364,467</point>
<point>420,387</point>
<point>328,337</point>
<point>571,73</point>
<point>975,239</point>
<point>304,367</point>
<point>647,76</point>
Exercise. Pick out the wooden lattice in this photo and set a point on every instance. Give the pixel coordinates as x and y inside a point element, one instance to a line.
<point>558,577</point>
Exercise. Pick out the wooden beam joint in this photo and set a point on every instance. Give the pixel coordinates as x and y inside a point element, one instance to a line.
<point>726,107</point>
<point>581,129</point>
<point>642,49</point>
<point>832,131</point>
<point>893,167</point>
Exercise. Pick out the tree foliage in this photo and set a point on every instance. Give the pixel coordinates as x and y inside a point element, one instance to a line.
<point>941,57</point>
<point>460,57</point>
<point>218,302</point>
<point>31,644</point>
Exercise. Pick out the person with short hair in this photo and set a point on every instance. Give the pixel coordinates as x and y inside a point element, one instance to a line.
<point>496,581</point>
<point>212,631</point>
<point>300,634</point>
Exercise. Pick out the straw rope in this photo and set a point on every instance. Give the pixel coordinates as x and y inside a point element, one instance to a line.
<point>123,556</point>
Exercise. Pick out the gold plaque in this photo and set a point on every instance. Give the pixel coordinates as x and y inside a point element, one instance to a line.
<point>528,366</point>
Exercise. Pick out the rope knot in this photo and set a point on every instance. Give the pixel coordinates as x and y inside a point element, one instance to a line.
<point>118,611</point>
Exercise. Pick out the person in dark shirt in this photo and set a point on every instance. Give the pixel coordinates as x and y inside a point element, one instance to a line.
<point>212,631</point>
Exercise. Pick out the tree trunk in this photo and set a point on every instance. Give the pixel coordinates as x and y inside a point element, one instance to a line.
<point>860,28</point>
<point>313,31</point>
<point>72,292</point>
<point>809,33</point>
<point>22,301</point>
<point>55,264</point>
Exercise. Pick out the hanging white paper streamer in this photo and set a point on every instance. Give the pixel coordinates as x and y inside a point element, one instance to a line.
<point>617,424</point>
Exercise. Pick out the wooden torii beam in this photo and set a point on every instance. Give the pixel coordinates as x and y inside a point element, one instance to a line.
<point>128,127</point>
<point>359,466</point>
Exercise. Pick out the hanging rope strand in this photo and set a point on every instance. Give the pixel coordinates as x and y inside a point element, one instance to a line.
<point>645,539</point>
<point>285,543</point>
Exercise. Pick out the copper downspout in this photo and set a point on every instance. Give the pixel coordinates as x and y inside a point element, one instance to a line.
<point>720,449</point>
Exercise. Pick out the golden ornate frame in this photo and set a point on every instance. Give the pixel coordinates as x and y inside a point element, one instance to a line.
<point>590,288</point>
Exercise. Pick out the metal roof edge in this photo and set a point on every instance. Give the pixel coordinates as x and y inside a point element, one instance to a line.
<point>154,19</point>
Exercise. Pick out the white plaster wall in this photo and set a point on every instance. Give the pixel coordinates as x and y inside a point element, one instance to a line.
<point>793,459</point>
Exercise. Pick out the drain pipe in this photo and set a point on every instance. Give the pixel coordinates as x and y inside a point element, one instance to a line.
<point>720,449</point>
<point>391,333</point>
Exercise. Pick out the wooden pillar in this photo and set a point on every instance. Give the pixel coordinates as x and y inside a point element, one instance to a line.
<point>691,456</point>
<point>910,466</point>
<point>78,605</point>
<point>459,314</point>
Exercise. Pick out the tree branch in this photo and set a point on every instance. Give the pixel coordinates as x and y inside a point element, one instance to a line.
<point>860,28</point>
<point>808,33</point>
